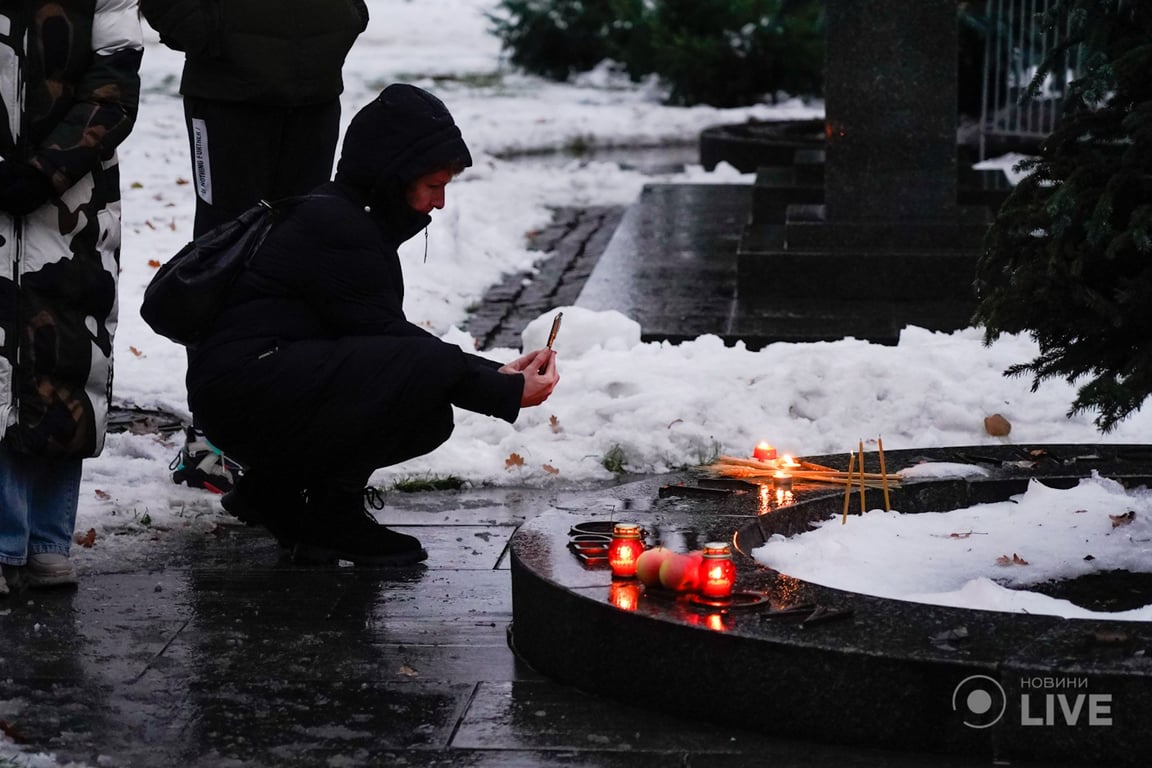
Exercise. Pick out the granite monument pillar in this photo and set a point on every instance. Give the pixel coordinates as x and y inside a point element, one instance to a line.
<point>880,233</point>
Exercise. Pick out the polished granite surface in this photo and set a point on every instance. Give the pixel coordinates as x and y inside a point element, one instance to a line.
<point>894,668</point>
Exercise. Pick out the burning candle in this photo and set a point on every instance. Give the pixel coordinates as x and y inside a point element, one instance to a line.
<point>782,481</point>
<point>763,452</point>
<point>787,462</point>
<point>717,571</point>
<point>625,549</point>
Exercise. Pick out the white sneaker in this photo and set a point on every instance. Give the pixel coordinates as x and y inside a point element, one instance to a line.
<point>50,569</point>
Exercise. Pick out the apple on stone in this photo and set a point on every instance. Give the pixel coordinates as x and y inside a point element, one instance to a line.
<point>680,573</point>
<point>648,565</point>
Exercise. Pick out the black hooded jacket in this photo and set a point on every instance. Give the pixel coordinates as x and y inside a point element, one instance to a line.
<point>274,52</point>
<point>330,269</point>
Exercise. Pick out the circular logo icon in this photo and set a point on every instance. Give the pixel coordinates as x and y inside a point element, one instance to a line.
<point>980,701</point>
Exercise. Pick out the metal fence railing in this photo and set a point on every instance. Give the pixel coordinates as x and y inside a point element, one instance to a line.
<point>1015,46</point>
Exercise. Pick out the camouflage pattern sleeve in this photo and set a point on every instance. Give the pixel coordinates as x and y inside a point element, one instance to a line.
<point>105,102</point>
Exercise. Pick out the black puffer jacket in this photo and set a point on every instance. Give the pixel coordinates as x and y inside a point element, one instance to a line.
<point>329,270</point>
<point>275,52</point>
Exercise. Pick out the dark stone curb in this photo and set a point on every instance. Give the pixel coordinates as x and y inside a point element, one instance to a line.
<point>893,674</point>
<point>574,241</point>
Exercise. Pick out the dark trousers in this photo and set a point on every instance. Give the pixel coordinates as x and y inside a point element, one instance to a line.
<point>330,412</point>
<point>243,153</point>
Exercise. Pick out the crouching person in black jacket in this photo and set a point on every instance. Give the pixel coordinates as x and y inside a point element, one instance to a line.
<point>313,377</point>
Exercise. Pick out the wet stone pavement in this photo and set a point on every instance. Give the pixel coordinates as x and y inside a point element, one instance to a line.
<point>213,650</point>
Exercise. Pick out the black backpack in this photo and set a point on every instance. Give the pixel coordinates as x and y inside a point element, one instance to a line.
<point>188,292</point>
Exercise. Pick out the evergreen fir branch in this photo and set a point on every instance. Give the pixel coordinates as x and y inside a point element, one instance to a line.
<point>1066,257</point>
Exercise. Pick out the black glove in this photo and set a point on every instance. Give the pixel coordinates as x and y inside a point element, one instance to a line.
<point>23,189</point>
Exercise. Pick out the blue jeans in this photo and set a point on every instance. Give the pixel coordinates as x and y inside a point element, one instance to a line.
<point>38,498</point>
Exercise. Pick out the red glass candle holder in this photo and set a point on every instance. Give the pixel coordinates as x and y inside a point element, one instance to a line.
<point>625,549</point>
<point>717,571</point>
<point>763,452</point>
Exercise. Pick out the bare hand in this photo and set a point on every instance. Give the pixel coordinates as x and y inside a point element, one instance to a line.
<point>540,375</point>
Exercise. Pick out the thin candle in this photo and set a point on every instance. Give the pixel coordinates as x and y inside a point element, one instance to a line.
<point>860,450</point>
<point>883,473</point>
<point>848,488</point>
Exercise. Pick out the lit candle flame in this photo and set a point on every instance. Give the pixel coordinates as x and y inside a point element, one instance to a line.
<point>764,451</point>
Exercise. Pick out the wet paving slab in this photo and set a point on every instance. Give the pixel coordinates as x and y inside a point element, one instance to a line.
<point>211,649</point>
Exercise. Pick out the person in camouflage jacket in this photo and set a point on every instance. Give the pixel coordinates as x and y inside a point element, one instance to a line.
<point>69,88</point>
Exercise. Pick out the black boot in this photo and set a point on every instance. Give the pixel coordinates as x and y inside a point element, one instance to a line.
<point>271,502</point>
<point>337,527</point>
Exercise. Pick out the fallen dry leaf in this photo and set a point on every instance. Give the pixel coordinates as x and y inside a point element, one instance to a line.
<point>154,263</point>
<point>150,225</point>
<point>85,540</point>
<point>996,425</point>
<point>181,182</point>
<point>135,351</point>
<point>555,424</point>
<point>136,185</point>
<point>550,469</point>
<point>1014,560</point>
<point>12,732</point>
<point>408,671</point>
<point>674,422</point>
<point>103,495</point>
<point>1124,519</point>
<point>513,460</point>
<point>964,535</point>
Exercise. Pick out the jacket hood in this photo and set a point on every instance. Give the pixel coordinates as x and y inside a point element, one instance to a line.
<point>404,133</point>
